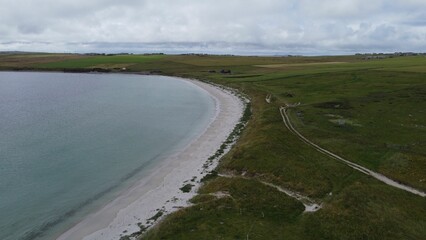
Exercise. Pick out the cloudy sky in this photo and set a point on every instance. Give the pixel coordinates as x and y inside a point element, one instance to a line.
<point>308,27</point>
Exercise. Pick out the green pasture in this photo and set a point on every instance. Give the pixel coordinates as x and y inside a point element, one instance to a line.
<point>372,112</point>
<point>101,61</point>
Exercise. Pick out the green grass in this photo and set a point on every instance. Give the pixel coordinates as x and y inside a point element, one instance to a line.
<point>383,104</point>
<point>359,207</point>
<point>102,61</point>
<point>252,209</point>
<point>186,188</point>
<point>389,113</point>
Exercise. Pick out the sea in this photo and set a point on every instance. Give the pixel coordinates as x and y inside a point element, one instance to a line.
<point>70,142</point>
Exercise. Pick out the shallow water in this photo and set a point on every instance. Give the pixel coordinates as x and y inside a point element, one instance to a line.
<point>68,142</point>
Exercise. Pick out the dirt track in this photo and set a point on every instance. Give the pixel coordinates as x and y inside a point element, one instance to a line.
<point>378,176</point>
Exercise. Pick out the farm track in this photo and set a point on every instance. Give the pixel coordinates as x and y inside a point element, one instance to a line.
<point>378,176</point>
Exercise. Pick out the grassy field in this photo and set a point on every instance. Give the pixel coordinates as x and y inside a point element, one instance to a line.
<point>64,61</point>
<point>372,112</point>
<point>116,61</point>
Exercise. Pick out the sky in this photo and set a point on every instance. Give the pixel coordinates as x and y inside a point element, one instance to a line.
<point>245,27</point>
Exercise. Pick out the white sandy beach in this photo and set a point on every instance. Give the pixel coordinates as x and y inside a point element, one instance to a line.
<point>160,188</point>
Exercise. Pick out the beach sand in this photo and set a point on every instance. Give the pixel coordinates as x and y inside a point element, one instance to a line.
<point>159,190</point>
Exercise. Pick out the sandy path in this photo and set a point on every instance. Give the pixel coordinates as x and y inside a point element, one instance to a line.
<point>159,191</point>
<point>310,205</point>
<point>378,176</point>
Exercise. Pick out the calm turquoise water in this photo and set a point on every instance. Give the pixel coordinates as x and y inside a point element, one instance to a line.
<point>69,141</point>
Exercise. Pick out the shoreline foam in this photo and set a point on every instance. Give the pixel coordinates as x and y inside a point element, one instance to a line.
<point>159,191</point>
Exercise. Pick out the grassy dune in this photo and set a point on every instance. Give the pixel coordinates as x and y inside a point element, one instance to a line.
<point>371,112</point>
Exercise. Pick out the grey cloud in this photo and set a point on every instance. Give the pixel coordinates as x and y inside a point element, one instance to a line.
<point>267,26</point>
<point>384,32</point>
<point>415,23</point>
<point>30,29</point>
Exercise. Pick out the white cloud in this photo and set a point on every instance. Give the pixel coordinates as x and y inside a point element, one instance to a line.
<point>275,26</point>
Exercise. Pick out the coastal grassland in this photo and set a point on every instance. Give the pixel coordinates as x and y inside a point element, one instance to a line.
<point>28,61</point>
<point>374,118</point>
<point>61,62</point>
<point>251,210</point>
<point>114,61</point>
<point>370,112</point>
<point>354,109</point>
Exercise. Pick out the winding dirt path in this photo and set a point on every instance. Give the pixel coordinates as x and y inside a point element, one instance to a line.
<point>378,176</point>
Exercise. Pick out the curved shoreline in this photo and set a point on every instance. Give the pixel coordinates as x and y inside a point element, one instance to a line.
<point>158,193</point>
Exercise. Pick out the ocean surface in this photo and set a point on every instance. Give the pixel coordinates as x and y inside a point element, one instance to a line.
<point>70,142</point>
